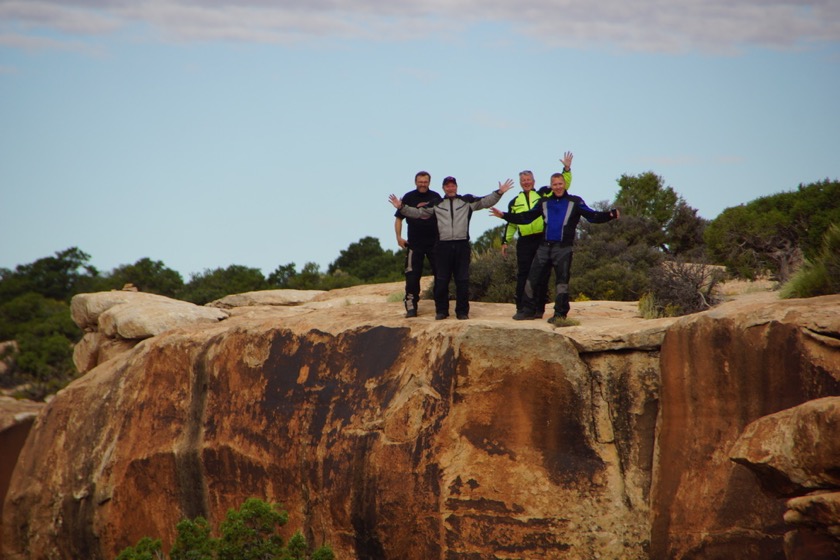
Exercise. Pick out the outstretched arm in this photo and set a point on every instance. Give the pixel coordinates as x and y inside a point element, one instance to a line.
<point>520,218</point>
<point>492,198</point>
<point>409,211</point>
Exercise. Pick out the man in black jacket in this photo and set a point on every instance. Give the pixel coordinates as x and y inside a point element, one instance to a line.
<point>452,252</point>
<point>561,213</point>
<point>422,235</point>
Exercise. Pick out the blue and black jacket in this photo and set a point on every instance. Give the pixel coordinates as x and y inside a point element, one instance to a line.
<point>561,215</point>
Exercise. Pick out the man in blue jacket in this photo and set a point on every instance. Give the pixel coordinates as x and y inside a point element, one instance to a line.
<point>530,235</point>
<point>561,212</point>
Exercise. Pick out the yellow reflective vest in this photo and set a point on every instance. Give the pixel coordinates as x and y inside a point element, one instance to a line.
<point>523,203</point>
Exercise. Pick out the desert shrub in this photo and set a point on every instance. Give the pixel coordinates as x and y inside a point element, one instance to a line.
<point>678,288</point>
<point>821,275</point>
<point>492,277</point>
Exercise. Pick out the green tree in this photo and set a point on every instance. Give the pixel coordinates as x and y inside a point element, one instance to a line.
<point>489,240</point>
<point>684,233</point>
<point>42,361</point>
<point>675,228</point>
<point>59,277</point>
<point>282,276</point>
<point>193,541</point>
<point>147,276</point>
<point>309,278</point>
<point>211,285</point>
<point>772,234</point>
<point>646,196</point>
<point>249,533</point>
<point>612,261</point>
<point>145,549</point>
<point>366,260</point>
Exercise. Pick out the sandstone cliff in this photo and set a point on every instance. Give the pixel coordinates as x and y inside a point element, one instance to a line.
<point>393,438</point>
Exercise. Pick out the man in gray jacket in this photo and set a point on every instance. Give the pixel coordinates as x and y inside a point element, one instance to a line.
<point>452,252</point>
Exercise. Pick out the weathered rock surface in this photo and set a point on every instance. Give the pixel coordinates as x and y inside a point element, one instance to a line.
<point>720,371</point>
<point>16,419</point>
<point>394,438</point>
<point>267,297</point>
<point>796,452</point>
<point>115,321</point>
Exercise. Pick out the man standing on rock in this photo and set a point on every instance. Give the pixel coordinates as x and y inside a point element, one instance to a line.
<point>422,235</point>
<point>452,252</point>
<point>561,212</point>
<point>530,235</point>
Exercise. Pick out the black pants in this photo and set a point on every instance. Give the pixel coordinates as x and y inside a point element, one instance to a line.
<point>526,249</point>
<point>414,257</point>
<point>452,258</point>
<point>560,258</point>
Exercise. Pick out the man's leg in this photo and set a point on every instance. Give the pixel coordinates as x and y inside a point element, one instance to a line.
<point>413,272</point>
<point>538,267</point>
<point>462,279</point>
<point>443,272</point>
<point>526,250</point>
<point>561,259</point>
<point>524,257</point>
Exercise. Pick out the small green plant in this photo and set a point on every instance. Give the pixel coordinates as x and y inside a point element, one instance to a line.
<point>145,549</point>
<point>249,533</point>
<point>565,322</point>
<point>820,276</point>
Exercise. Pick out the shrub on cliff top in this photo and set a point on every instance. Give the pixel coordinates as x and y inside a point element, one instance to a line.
<point>819,276</point>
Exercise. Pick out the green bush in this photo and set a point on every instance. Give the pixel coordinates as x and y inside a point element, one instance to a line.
<point>492,276</point>
<point>820,276</point>
<point>249,533</point>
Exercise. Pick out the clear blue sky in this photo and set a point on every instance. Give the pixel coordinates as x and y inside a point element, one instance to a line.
<point>264,133</point>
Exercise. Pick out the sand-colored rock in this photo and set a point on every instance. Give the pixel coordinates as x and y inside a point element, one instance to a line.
<point>266,297</point>
<point>394,438</point>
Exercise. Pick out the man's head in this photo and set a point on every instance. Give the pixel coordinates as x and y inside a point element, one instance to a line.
<point>422,181</point>
<point>450,186</point>
<point>526,180</point>
<point>558,184</point>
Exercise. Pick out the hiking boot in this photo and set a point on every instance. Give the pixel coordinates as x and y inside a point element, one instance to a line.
<point>523,316</point>
<point>462,316</point>
<point>410,313</point>
<point>556,318</point>
<point>441,316</point>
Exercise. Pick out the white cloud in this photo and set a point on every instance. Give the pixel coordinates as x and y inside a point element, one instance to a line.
<point>647,25</point>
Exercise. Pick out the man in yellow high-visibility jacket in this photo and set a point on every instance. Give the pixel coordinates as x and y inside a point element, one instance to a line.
<point>530,235</point>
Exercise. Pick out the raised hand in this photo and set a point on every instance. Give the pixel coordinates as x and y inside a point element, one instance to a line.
<point>395,201</point>
<point>506,186</point>
<point>567,160</point>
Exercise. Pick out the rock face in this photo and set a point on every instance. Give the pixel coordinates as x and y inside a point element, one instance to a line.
<point>16,419</point>
<point>720,371</point>
<point>794,454</point>
<point>417,439</point>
